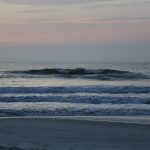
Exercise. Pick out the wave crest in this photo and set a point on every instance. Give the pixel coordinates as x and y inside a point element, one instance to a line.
<point>103,74</point>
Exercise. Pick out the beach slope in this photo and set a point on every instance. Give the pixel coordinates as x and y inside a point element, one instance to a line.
<point>77,133</point>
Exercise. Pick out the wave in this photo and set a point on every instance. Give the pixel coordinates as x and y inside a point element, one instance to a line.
<point>78,89</point>
<point>103,74</point>
<point>78,99</point>
<point>66,109</point>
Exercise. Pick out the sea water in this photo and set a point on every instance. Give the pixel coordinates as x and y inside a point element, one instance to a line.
<point>74,89</point>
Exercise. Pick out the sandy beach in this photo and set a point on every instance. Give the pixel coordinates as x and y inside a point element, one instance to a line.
<point>75,133</point>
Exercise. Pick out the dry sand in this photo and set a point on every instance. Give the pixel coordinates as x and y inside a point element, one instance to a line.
<point>75,133</point>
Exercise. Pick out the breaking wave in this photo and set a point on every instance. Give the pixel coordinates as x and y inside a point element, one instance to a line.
<point>63,109</point>
<point>102,74</point>
<point>87,99</point>
<point>78,89</point>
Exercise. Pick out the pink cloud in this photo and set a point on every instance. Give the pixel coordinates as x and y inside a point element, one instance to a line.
<point>74,33</point>
<point>107,21</point>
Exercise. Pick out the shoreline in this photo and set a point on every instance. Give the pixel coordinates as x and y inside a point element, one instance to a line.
<point>109,119</point>
<point>75,133</point>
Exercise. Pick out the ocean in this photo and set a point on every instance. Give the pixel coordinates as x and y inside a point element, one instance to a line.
<point>74,89</point>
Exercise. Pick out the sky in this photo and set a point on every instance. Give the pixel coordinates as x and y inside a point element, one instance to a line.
<point>74,30</point>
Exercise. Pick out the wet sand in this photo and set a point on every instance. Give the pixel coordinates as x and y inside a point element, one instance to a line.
<point>75,133</point>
